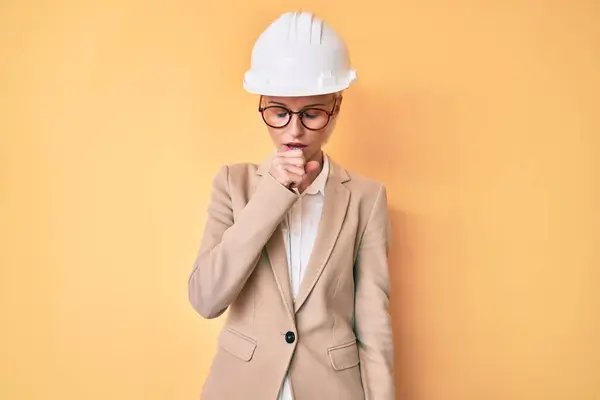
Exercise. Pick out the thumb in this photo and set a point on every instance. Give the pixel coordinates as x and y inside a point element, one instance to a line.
<point>312,169</point>
<point>312,166</point>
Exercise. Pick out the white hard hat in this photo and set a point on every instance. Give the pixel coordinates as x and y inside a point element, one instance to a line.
<point>299,55</point>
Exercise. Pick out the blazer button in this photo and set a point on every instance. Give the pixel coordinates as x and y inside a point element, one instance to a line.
<point>290,337</point>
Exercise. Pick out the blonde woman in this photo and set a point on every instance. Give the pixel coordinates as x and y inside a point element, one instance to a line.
<point>295,247</point>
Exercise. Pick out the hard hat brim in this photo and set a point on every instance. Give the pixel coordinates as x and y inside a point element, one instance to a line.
<point>262,87</point>
<point>293,91</point>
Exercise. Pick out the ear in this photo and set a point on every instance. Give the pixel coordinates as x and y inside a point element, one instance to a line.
<point>338,105</point>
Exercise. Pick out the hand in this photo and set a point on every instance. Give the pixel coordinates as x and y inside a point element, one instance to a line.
<point>290,168</point>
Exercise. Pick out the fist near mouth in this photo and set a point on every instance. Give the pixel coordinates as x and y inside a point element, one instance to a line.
<point>289,167</point>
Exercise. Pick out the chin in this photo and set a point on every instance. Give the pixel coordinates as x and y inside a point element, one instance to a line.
<point>312,154</point>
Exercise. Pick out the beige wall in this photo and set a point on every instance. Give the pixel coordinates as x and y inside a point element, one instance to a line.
<point>483,121</point>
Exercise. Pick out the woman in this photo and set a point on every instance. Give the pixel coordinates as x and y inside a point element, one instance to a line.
<point>296,248</point>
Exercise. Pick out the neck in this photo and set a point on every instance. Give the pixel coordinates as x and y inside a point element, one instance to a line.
<point>318,156</point>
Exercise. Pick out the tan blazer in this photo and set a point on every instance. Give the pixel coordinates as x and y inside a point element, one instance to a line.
<point>336,339</point>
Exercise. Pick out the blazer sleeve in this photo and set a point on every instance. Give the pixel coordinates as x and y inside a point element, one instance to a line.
<point>230,249</point>
<point>372,317</point>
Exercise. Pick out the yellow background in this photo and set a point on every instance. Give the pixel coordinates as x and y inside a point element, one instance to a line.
<point>482,119</point>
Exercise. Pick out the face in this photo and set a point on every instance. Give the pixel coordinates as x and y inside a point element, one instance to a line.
<point>309,127</point>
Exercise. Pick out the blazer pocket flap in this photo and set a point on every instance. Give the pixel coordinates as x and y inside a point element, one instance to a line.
<point>237,344</point>
<point>344,356</point>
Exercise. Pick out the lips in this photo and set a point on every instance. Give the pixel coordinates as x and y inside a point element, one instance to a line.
<point>295,146</point>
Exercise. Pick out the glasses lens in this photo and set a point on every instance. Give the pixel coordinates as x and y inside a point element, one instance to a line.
<point>313,118</point>
<point>276,116</point>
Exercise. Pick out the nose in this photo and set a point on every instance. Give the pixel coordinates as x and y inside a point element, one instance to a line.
<point>295,128</point>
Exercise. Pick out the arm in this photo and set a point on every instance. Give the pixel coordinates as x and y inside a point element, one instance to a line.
<point>372,319</point>
<point>230,250</point>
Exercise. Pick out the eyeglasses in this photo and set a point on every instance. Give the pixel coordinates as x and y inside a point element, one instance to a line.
<point>312,118</point>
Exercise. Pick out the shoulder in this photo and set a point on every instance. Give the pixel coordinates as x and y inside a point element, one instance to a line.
<point>364,184</point>
<point>364,187</point>
<point>371,193</point>
<point>371,201</point>
<point>367,194</point>
<point>237,170</point>
<point>234,174</point>
<point>241,169</point>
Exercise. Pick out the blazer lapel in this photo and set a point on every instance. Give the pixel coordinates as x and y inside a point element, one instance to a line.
<point>276,251</point>
<point>337,198</point>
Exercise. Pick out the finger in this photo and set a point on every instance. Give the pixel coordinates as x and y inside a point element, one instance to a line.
<point>295,179</point>
<point>298,162</point>
<point>294,169</point>
<point>291,153</point>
